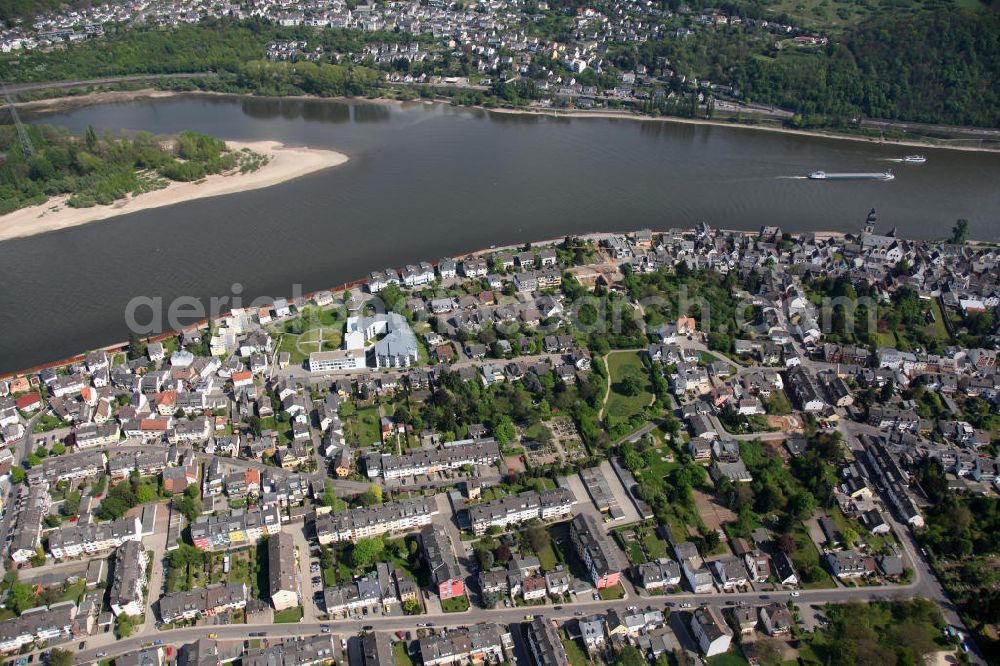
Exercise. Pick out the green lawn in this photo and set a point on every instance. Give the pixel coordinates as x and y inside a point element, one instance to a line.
<point>778,404</point>
<point>575,652</point>
<point>547,558</point>
<point>611,593</point>
<point>400,655</point>
<point>635,554</point>
<point>937,328</point>
<point>887,339</point>
<point>727,659</point>
<point>655,546</point>
<point>537,432</point>
<point>877,542</point>
<point>363,427</point>
<point>622,407</point>
<point>288,616</point>
<point>660,468</point>
<point>289,343</point>
<point>455,604</point>
<point>806,556</point>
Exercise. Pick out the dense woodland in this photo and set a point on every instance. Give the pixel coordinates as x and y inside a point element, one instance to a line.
<point>10,9</point>
<point>101,169</point>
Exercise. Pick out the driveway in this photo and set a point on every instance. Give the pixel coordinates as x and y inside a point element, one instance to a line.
<point>309,611</point>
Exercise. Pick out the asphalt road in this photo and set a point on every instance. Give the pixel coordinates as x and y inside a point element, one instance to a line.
<point>177,637</point>
<point>80,83</point>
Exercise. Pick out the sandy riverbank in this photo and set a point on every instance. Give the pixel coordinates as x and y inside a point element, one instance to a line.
<point>625,115</point>
<point>284,164</point>
<point>59,104</point>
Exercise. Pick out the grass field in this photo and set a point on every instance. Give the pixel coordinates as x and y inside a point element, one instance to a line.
<point>806,555</point>
<point>455,604</point>
<point>655,546</point>
<point>727,659</point>
<point>616,592</point>
<point>622,407</point>
<point>288,616</point>
<point>887,339</point>
<point>400,655</point>
<point>547,558</point>
<point>363,427</point>
<point>574,652</point>
<point>937,329</point>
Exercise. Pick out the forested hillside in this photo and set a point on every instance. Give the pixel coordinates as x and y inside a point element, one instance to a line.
<point>941,67</point>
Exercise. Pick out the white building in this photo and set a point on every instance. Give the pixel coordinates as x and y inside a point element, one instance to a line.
<point>712,634</point>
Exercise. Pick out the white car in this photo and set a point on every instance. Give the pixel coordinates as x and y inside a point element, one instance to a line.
<point>796,594</point>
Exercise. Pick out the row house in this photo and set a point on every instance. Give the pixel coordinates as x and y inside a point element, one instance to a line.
<point>206,602</point>
<point>37,625</point>
<point>93,435</point>
<point>362,522</point>
<point>417,276</point>
<point>93,539</point>
<point>240,528</point>
<point>385,587</point>
<point>84,465</point>
<point>146,463</point>
<point>302,652</point>
<point>658,575</point>
<point>515,509</point>
<point>452,456</point>
<point>479,643</point>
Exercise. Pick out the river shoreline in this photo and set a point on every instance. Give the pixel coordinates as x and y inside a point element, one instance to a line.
<point>592,236</point>
<point>284,164</point>
<point>61,104</point>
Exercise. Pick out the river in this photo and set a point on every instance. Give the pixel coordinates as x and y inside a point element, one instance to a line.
<point>426,181</point>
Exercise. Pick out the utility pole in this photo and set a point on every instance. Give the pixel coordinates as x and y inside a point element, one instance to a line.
<point>22,133</point>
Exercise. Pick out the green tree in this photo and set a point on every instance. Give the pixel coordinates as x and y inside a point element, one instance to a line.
<point>367,551</point>
<point>16,474</point>
<point>503,430</point>
<point>71,503</point>
<point>125,626</point>
<point>630,384</point>
<point>58,657</point>
<point>960,231</point>
<point>22,597</point>
<point>630,656</point>
<point>146,493</point>
<point>538,537</point>
<point>189,507</point>
<point>136,347</point>
<point>91,138</point>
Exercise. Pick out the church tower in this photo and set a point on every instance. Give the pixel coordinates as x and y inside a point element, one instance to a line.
<point>870,222</point>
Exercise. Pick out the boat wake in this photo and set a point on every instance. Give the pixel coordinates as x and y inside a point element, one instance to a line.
<point>791,177</point>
